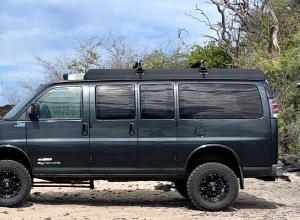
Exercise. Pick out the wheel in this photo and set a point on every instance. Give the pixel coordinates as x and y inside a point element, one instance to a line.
<point>212,186</point>
<point>181,187</point>
<point>15,183</point>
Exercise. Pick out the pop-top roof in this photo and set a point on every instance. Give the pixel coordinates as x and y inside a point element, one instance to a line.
<point>173,74</point>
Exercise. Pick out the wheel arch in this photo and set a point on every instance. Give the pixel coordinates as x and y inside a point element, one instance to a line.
<point>11,152</point>
<point>215,153</point>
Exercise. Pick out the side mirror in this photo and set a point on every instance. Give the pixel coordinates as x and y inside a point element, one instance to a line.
<point>34,112</point>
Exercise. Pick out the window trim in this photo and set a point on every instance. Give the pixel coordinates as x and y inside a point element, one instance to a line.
<point>59,119</point>
<point>174,100</point>
<point>116,83</point>
<point>219,82</point>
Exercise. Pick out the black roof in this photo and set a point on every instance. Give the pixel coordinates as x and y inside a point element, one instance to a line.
<point>173,74</point>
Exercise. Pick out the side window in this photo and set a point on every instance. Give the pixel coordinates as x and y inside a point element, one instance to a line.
<point>61,103</point>
<point>157,101</point>
<point>219,101</point>
<point>115,101</point>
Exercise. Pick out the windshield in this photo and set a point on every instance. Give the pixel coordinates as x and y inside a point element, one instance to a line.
<point>15,110</point>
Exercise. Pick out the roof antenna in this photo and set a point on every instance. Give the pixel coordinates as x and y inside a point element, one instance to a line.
<point>202,68</point>
<point>139,68</point>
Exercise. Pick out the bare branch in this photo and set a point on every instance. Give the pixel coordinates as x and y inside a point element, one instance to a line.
<point>9,94</point>
<point>273,41</point>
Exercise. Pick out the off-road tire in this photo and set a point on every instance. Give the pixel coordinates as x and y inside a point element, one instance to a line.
<point>181,187</point>
<point>25,181</point>
<point>198,175</point>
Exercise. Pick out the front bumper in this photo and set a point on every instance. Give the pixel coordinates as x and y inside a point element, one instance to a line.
<point>277,169</point>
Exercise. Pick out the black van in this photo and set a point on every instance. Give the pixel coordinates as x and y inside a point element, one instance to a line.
<point>203,130</point>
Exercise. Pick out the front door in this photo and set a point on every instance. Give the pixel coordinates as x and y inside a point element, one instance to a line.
<point>113,128</point>
<point>58,142</point>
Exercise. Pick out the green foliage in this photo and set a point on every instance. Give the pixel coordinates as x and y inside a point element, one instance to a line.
<point>283,73</point>
<point>213,56</point>
<point>282,66</point>
<point>159,59</point>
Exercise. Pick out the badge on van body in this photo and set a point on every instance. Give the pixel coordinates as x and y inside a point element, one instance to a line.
<point>47,161</point>
<point>20,124</point>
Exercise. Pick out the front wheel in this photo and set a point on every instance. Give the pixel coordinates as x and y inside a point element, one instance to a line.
<point>212,186</point>
<point>15,183</point>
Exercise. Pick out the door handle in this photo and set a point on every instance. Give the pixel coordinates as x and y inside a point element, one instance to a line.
<point>131,129</point>
<point>85,129</point>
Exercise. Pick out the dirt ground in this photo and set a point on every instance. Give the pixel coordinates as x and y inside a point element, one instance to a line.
<point>139,200</point>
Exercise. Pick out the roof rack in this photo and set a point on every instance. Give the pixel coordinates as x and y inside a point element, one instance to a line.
<point>202,68</point>
<point>139,68</point>
<point>174,74</point>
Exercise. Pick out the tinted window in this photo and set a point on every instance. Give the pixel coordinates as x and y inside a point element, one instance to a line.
<point>61,103</point>
<point>115,102</point>
<point>219,101</point>
<point>157,101</point>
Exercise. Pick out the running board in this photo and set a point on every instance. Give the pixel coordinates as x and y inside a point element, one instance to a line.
<point>74,184</point>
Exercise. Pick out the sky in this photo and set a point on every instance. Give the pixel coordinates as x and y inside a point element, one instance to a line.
<point>48,28</point>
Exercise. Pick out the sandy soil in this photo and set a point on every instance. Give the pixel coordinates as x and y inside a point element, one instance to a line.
<point>139,200</point>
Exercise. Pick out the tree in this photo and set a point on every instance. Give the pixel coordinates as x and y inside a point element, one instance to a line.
<point>87,55</point>
<point>160,59</point>
<point>212,55</point>
<point>241,21</point>
<point>9,94</point>
<point>263,34</point>
<point>120,53</point>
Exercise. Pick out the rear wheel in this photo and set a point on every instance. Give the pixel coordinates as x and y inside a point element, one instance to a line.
<point>181,187</point>
<point>212,186</point>
<point>15,183</point>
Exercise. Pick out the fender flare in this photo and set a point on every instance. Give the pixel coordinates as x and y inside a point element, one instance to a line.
<point>220,146</point>
<point>8,146</point>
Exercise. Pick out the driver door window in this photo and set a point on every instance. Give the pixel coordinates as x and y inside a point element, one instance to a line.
<point>61,103</point>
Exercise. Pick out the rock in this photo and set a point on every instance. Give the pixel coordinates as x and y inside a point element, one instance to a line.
<point>285,178</point>
<point>291,162</point>
<point>290,159</point>
<point>164,187</point>
<point>5,212</point>
<point>5,109</point>
<point>36,193</point>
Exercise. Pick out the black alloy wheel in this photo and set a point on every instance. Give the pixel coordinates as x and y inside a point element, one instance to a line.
<point>212,186</point>
<point>15,183</point>
<point>10,184</point>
